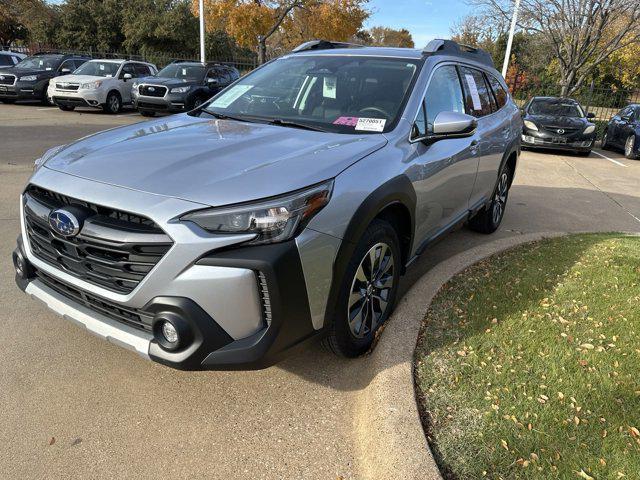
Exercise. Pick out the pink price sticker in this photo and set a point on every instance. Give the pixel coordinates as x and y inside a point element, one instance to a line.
<point>348,121</point>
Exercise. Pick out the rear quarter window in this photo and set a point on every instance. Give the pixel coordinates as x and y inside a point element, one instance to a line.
<point>478,100</point>
<point>498,91</point>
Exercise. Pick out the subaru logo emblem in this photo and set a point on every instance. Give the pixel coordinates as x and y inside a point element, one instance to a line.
<point>151,89</point>
<point>560,131</point>
<point>64,223</point>
<point>1,77</point>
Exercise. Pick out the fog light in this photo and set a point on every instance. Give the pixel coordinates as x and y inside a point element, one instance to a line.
<point>23,268</point>
<point>169,332</point>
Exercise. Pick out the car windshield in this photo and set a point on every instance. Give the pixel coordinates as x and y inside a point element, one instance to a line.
<point>184,72</point>
<point>49,62</point>
<point>6,60</point>
<point>555,108</point>
<point>98,69</point>
<point>344,94</point>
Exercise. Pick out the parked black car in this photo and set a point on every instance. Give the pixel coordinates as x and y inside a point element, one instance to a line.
<point>559,124</point>
<point>29,79</point>
<point>623,131</point>
<point>181,86</point>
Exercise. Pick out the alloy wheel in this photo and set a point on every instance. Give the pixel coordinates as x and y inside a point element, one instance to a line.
<point>114,103</point>
<point>629,146</point>
<point>500,198</point>
<point>371,290</point>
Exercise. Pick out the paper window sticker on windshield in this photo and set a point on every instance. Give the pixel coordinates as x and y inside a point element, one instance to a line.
<point>473,90</point>
<point>347,121</point>
<point>184,72</point>
<point>48,68</point>
<point>371,124</point>
<point>329,87</point>
<point>101,67</point>
<point>230,96</point>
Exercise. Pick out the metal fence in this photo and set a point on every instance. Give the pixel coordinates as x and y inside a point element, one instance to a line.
<point>160,59</point>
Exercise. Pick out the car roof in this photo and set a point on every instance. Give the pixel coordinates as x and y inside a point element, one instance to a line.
<point>561,99</point>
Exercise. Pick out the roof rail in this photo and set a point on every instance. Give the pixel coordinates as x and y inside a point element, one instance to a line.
<point>439,46</point>
<point>324,45</point>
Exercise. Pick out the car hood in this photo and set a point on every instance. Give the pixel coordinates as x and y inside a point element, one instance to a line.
<point>556,121</point>
<point>210,161</point>
<point>80,78</point>
<point>166,81</point>
<point>23,72</point>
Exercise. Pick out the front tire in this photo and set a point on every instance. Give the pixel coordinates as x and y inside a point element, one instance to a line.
<point>146,113</point>
<point>488,219</point>
<point>605,141</point>
<point>66,108</point>
<point>113,104</point>
<point>368,291</point>
<point>629,148</point>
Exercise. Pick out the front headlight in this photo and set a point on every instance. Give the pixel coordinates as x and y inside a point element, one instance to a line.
<point>46,156</point>
<point>91,85</point>
<point>589,129</point>
<point>29,78</point>
<point>272,221</point>
<point>180,89</point>
<point>530,125</point>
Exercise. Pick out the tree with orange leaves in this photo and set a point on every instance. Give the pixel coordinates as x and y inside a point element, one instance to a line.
<point>253,22</point>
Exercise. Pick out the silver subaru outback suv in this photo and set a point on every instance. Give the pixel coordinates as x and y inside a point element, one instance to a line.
<point>283,209</point>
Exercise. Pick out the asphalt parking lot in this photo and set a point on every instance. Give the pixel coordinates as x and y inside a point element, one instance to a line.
<point>74,406</point>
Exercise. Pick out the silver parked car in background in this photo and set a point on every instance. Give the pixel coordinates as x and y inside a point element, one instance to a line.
<point>283,209</point>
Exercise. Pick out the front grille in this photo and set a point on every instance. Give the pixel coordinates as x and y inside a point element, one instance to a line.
<point>152,90</point>
<point>556,130</point>
<point>114,249</point>
<point>67,86</point>
<point>134,318</point>
<point>7,79</point>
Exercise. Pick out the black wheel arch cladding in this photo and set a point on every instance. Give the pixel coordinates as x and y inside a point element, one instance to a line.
<point>398,190</point>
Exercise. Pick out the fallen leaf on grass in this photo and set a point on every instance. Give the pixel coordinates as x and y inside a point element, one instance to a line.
<point>584,475</point>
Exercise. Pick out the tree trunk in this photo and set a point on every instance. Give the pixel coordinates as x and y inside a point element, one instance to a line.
<point>262,50</point>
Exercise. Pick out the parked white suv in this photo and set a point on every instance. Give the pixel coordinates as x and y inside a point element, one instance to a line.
<point>102,84</point>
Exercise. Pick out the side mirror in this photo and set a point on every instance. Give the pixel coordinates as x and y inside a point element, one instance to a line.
<point>591,115</point>
<point>127,76</point>
<point>454,124</point>
<point>65,71</point>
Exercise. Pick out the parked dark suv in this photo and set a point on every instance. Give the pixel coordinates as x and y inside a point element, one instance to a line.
<point>623,131</point>
<point>557,123</point>
<point>181,86</point>
<point>29,79</point>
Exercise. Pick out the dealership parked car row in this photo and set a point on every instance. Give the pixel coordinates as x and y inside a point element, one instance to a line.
<point>71,81</point>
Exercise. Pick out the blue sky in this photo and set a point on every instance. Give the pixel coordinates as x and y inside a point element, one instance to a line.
<point>425,19</point>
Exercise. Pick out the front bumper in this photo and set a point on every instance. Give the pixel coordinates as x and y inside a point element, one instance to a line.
<point>171,102</point>
<point>78,98</point>
<point>242,307</point>
<point>24,90</point>
<point>576,143</point>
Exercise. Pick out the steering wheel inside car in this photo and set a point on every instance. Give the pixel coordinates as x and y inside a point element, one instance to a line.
<point>377,110</point>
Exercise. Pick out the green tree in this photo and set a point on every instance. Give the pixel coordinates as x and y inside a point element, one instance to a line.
<point>389,37</point>
<point>92,24</point>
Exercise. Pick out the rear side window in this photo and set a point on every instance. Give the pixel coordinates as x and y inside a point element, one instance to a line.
<point>477,94</point>
<point>498,91</point>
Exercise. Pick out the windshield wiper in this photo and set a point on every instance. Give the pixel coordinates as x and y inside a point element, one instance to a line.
<point>222,116</point>
<point>289,123</point>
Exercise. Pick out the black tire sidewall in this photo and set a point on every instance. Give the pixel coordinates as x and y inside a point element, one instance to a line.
<point>341,337</point>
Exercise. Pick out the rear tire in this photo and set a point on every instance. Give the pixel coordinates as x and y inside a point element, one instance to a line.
<point>629,148</point>
<point>66,108</point>
<point>488,219</point>
<point>114,103</point>
<point>368,292</point>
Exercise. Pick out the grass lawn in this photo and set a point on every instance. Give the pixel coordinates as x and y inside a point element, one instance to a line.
<point>528,364</point>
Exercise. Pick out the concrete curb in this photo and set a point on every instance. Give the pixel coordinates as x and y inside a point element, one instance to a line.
<point>390,441</point>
